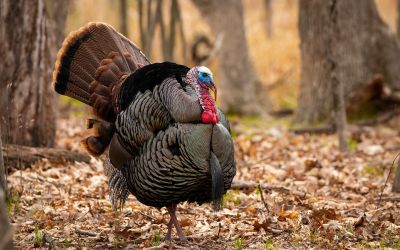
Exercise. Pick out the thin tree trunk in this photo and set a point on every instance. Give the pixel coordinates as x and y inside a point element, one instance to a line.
<point>123,15</point>
<point>396,182</point>
<point>373,51</point>
<point>3,173</point>
<point>28,49</point>
<point>172,31</point>
<point>398,18</point>
<point>340,116</point>
<point>269,13</point>
<point>58,12</point>
<point>6,232</point>
<point>339,119</point>
<point>241,89</point>
<point>5,228</point>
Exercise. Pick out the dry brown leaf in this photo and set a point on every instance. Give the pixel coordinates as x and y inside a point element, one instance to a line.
<point>265,225</point>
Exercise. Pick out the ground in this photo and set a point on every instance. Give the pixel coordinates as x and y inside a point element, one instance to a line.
<point>311,196</point>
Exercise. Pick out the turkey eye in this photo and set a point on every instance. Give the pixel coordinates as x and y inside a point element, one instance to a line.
<point>204,74</point>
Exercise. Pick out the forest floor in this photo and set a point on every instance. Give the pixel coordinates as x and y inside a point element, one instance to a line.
<point>311,196</point>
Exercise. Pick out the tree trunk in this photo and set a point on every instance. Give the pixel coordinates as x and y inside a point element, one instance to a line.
<point>269,14</point>
<point>336,83</point>
<point>398,19</point>
<point>396,182</point>
<point>28,48</point>
<point>366,49</point>
<point>5,228</point>
<point>3,173</point>
<point>123,17</point>
<point>6,234</point>
<point>241,90</point>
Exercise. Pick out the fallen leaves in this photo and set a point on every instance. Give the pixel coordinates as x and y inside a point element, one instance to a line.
<point>309,196</point>
<point>324,215</point>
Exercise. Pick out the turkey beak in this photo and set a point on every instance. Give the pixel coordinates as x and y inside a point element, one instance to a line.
<point>213,89</point>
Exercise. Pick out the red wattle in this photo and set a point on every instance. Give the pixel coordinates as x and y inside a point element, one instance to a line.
<point>215,119</point>
<point>208,117</point>
<point>209,114</point>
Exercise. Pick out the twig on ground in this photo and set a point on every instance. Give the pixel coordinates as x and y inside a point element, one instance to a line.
<point>146,215</point>
<point>86,232</point>
<point>253,185</point>
<point>391,198</point>
<point>141,230</point>
<point>262,197</point>
<point>384,186</point>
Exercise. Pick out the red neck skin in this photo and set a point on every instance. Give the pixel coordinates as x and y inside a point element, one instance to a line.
<point>209,114</point>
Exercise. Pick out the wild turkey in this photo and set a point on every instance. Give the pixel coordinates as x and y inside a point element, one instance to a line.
<point>167,141</point>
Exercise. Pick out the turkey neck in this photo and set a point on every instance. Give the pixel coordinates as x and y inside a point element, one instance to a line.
<point>209,114</point>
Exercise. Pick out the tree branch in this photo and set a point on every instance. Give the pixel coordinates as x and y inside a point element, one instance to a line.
<point>17,155</point>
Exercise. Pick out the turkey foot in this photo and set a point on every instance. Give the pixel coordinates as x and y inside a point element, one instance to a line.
<point>174,221</point>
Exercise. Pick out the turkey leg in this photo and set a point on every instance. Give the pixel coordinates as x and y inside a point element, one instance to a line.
<point>174,221</point>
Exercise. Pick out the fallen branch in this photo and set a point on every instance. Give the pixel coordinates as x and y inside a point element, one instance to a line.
<point>281,113</point>
<point>249,185</point>
<point>23,156</point>
<point>141,230</point>
<point>86,232</point>
<point>381,118</point>
<point>322,130</point>
<point>391,198</point>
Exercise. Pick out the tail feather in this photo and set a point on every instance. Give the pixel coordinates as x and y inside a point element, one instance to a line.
<point>217,180</point>
<point>103,133</point>
<point>92,62</point>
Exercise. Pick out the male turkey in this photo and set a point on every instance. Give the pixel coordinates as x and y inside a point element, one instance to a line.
<point>167,142</point>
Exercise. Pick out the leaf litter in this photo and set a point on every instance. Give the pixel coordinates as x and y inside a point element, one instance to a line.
<point>300,193</point>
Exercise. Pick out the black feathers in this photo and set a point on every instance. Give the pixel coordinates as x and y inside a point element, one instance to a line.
<point>147,77</point>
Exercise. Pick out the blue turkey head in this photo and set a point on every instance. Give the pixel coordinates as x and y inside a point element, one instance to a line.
<point>205,79</point>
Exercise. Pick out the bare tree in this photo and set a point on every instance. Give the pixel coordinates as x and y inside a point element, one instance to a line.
<point>151,17</point>
<point>365,49</point>
<point>339,107</point>
<point>6,231</point>
<point>3,181</point>
<point>5,228</point>
<point>241,89</point>
<point>123,17</point>
<point>269,12</point>
<point>28,46</point>
<point>396,182</point>
<point>398,18</point>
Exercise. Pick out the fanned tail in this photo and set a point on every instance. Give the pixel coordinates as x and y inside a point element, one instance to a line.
<point>91,65</point>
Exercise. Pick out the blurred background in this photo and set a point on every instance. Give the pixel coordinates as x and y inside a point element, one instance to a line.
<point>271,30</point>
<point>302,64</point>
